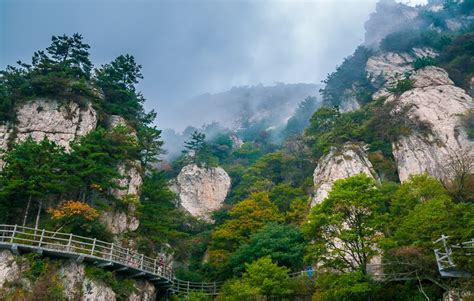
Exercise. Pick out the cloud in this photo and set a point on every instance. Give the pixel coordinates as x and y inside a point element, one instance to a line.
<point>192,47</point>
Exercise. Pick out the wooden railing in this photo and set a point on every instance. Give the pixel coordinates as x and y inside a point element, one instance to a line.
<point>86,247</point>
<point>75,246</point>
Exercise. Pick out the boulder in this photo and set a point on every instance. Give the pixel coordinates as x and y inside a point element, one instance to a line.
<point>201,190</point>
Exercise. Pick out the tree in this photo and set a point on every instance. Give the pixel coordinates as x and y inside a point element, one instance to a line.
<point>282,195</point>
<point>195,145</point>
<point>284,244</point>
<point>33,171</point>
<point>300,119</point>
<point>149,142</point>
<point>67,54</point>
<point>246,218</point>
<point>345,228</point>
<point>92,164</point>
<point>262,279</point>
<point>345,287</point>
<point>72,214</point>
<point>117,80</point>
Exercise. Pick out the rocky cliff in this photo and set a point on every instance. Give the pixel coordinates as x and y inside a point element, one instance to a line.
<point>70,277</point>
<point>436,101</point>
<point>340,163</point>
<point>42,118</point>
<point>386,68</point>
<point>201,190</point>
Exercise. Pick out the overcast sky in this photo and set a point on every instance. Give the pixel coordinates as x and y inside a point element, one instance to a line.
<point>192,47</point>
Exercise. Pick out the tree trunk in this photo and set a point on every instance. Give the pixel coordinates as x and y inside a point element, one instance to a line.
<point>38,214</point>
<point>25,217</point>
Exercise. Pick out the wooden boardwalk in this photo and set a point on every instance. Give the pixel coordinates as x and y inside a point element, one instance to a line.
<point>103,254</point>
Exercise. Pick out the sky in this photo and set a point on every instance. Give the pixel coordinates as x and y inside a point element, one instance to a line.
<point>187,48</point>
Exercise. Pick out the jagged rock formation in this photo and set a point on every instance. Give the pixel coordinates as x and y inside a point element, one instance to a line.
<point>389,17</point>
<point>43,118</point>
<point>387,67</point>
<point>436,101</point>
<point>349,160</point>
<point>72,276</point>
<point>201,190</point>
<point>59,122</point>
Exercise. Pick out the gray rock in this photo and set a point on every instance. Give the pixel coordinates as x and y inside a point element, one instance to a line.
<point>59,122</point>
<point>201,190</point>
<point>436,101</point>
<point>351,159</point>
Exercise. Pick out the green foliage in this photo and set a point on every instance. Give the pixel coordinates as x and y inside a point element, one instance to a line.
<point>262,279</point>
<point>94,159</point>
<point>406,40</point>
<point>353,214</point>
<point>194,146</point>
<point>401,86</point>
<point>423,62</point>
<point>121,287</point>
<point>174,225</point>
<point>284,244</point>
<point>32,173</point>
<point>351,74</point>
<point>348,286</point>
<point>300,119</point>
<point>245,218</point>
<point>117,81</point>
<point>283,195</point>
<point>62,71</point>
<point>458,59</point>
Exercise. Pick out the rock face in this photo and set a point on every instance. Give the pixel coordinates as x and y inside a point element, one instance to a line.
<point>351,159</point>
<point>119,221</point>
<point>75,283</point>
<point>387,67</point>
<point>9,268</point>
<point>389,17</point>
<point>60,123</point>
<point>201,190</point>
<point>436,101</point>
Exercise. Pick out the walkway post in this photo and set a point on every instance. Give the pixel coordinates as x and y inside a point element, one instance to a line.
<point>93,246</point>
<point>111,251</point>
<point>68,243</point>
<point>41,238</point>
<point>13,234</point>
<point>141,262</point>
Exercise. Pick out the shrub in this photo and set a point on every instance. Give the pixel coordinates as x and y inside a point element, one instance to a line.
<point>423,61</point>
<point>402,86</point>
<point>468,122</point>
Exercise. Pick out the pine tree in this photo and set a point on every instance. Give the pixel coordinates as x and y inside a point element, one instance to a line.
<point>33,171</point>
<point>195,145</point>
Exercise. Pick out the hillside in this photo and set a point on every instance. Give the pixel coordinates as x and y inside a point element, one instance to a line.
<point>285,197</point>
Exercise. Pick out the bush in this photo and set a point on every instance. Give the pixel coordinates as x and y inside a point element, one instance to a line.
<point>402,86</point>
<point>422,62</point>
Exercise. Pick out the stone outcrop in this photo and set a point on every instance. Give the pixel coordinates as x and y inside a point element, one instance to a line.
<point>437,102</point>
<point>73,279</point>
<point>388,67</point>
<point>9,269</point>
<point>118,221</point>
<point>201,190</point>
<point>349,160</point>
<point>59,122</point>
